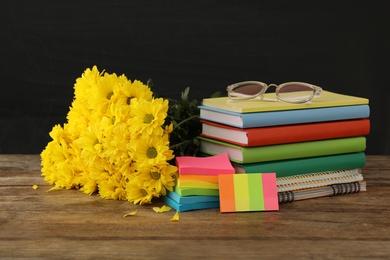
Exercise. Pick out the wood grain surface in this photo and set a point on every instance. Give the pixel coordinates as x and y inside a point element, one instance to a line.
<point>35,223</point>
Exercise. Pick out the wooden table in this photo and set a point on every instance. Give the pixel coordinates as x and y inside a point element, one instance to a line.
<point>69,224</point>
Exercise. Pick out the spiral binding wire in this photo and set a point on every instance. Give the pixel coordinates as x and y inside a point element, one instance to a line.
<point>312,180</point>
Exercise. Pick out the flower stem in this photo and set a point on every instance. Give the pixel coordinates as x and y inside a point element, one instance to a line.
<point>185,121</point>
<point>179,144</point>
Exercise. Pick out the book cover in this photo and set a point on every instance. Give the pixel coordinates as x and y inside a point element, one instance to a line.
<point>283,117</point>
<point>276,152</point>
<point>331,190</point>
<point>292,167</point>
<point>327,99</point>
<point>210,165</point>
<point>261,136</point>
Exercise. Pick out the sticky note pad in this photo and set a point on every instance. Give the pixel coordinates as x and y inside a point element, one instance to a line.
<point>197,184</point>
<point>248,192</point>
<point>198,177</point>
<point>191,199</point>
<point>180,207</point>
<point>196,191</point>
<point>210,165</point>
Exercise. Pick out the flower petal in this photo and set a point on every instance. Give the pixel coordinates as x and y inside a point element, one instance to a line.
<point>175,217</point>
<point>54,188</point>
<point>162,209</point>
<point>130,214</point>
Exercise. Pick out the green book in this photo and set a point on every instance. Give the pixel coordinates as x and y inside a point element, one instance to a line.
<point>256,154</point>
<point>291,167</point>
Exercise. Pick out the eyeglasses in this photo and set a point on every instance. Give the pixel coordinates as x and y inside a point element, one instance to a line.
<point>290,92</point>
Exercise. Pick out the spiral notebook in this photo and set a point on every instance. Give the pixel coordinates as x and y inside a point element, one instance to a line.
<point>313,180</point>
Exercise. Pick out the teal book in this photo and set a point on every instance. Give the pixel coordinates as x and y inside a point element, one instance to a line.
<point>257,154</point>
<point>291,167</point>
<point>283,117</point>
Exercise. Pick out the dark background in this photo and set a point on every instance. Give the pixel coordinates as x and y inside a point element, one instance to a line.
<point>342,46</point>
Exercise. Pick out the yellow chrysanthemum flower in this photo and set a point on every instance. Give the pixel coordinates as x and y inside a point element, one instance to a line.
<point>103,93</point>
<point>114,142</point>
<point>158,178</point>
<point>113,187</point>
<point>138,194</point>
<point>87,81</point>
<point>90,142</point>
<point>150,151</point>
<point>149,116</point>
<point>130,90</point>
<point>55,159</point>
<point>78,120</point>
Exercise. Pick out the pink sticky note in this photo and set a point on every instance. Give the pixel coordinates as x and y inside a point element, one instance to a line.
<point>211,165</point>
<point>270,191</point>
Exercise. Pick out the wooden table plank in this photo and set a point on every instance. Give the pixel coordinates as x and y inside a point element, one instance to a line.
<point>37,223</point>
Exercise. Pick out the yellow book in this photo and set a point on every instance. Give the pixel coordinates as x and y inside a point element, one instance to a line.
<point>327,99</point>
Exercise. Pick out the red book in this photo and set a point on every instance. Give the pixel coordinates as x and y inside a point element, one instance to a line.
<point>261,136</point>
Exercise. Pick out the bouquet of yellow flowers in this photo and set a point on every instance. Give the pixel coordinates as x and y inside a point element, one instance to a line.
<point>116,141</point>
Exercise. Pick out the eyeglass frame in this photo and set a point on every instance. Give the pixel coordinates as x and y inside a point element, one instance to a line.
<point>316,91</point>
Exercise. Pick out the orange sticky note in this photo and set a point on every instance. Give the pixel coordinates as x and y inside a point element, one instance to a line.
<point>197,177</point>
<point>248,192</point>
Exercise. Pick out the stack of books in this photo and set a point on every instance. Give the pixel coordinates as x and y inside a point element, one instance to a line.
<point>197,182</point>
<point>316,149</point>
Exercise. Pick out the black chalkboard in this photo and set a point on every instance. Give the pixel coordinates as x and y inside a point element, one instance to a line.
<point>342,46</point>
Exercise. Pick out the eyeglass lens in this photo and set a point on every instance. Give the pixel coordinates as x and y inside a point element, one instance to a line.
<point>288,92</point>
<point>248,89</point>
<point>295,92</point>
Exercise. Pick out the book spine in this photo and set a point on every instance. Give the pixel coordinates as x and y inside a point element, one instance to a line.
<point>259,154</point>
<point>331,190</point>
<point>285,117</point>
<point>289,117</point>
<point>303,149</point>
<point>305,165</point>
<point>308,132</point>
<point>262,136</point>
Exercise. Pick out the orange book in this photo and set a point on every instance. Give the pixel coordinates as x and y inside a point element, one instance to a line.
<point>261,136</point>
